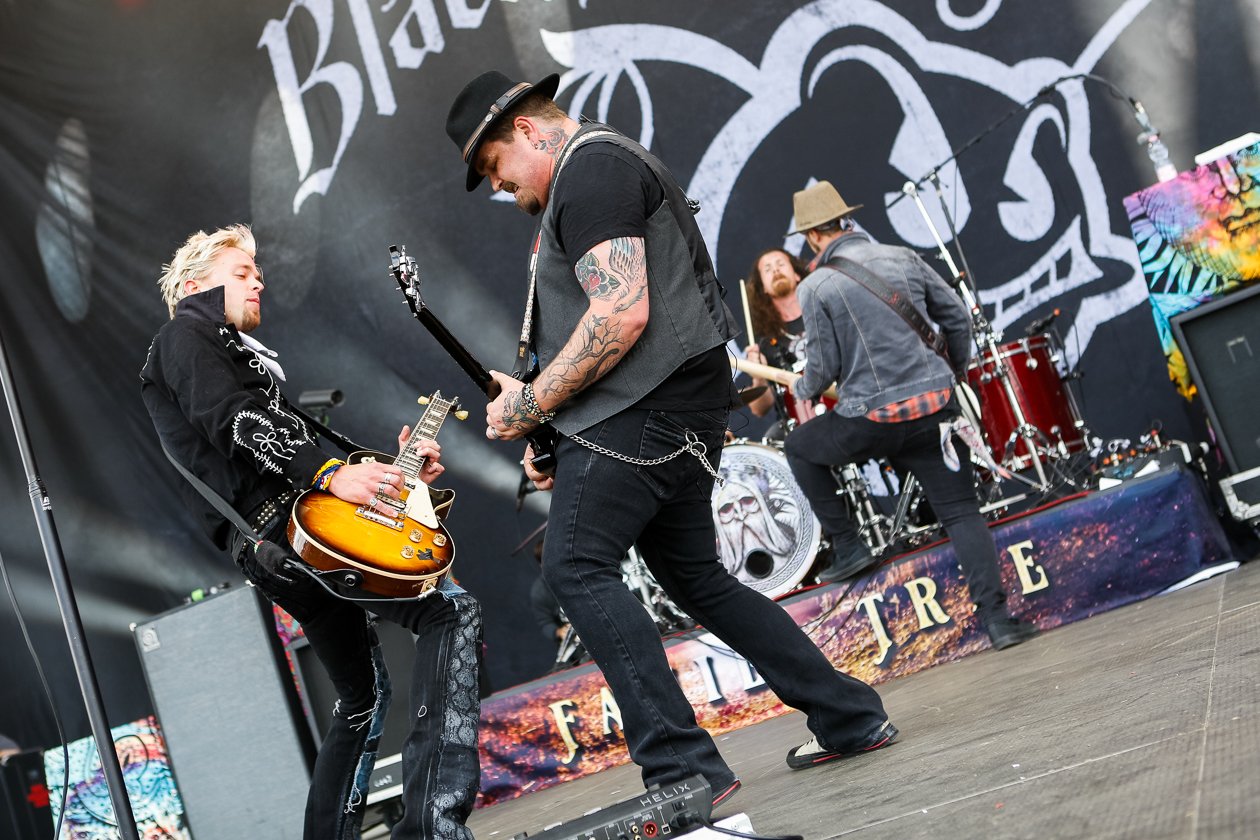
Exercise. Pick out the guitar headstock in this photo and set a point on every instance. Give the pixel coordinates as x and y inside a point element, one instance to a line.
<point>404,270</point>
<point>452,405</point>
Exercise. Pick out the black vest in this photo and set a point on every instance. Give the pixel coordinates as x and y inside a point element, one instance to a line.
<point>686,315</point>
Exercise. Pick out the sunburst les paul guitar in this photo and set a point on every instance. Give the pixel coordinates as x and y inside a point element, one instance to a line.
<point>399,549</point>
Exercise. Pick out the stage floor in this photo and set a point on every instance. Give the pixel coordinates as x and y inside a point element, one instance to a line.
<point>1141,722</point>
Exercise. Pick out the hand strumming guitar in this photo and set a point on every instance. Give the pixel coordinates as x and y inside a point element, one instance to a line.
<point>542,481</point>
<point>360,483</point>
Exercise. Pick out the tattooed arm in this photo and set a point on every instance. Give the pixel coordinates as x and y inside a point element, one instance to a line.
<point>614,276</point>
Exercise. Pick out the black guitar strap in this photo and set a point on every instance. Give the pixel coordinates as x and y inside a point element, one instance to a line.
<point>212,496</point>
<point>337,438</point>
<point>269,554</point>
<point>897,301</point>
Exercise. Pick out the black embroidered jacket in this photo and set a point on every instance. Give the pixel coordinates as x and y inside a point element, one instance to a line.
<point>220,412</point>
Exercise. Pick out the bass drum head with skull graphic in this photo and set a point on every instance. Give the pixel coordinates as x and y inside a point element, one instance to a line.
<point>767,535</point>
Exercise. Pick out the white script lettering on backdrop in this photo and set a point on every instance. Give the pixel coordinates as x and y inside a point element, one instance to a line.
<point>599,57</point>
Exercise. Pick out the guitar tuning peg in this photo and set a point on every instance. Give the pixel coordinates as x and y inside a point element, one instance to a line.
<point>461,415</point>
<point>423,400</point>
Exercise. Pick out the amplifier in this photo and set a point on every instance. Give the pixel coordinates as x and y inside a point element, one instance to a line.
<point>24,807</point>
<point>658,812</point>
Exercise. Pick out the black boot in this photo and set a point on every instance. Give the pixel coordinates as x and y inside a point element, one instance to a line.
<point>1005,631</point>
<point>849,555</point>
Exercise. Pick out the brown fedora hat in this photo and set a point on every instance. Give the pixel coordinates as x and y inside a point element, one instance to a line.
<point>479,106</point>
<point>817,205</point>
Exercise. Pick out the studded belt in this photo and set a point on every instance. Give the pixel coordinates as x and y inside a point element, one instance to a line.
<point>271,509</point>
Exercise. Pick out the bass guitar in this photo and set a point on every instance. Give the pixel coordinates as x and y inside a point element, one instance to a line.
<point>542,439</point>
<point>774,374</point>
<point>403,551</point>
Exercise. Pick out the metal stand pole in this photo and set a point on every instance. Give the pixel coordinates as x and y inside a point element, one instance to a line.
<point>42,505</point>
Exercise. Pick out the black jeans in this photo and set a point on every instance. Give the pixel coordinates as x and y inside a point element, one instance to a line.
<point>599,508</point>
<point>913,446</point>
<point>441,772</point>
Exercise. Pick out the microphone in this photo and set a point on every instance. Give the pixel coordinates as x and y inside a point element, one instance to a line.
<point>1149,137</point>
<point>322,398</point>
<point>1041,323</point>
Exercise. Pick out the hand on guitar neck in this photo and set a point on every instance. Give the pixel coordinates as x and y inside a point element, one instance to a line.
<point>773,374</point>
<point>365,482</point>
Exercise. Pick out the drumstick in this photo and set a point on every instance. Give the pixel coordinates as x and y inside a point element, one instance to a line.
<point>743,296</point>
<point>774,374</point>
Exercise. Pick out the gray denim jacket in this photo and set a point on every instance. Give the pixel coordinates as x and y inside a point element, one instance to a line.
<point>862,344</point>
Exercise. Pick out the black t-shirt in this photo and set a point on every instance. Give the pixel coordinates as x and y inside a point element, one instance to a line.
<point>787,348</point>
<point>626,195</point>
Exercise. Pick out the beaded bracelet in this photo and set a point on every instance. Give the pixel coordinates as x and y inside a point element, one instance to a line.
<point>532,406</point>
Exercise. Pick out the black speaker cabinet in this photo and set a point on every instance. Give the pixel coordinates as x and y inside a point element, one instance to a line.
<point>240,749</point>
<point>1221,343</point>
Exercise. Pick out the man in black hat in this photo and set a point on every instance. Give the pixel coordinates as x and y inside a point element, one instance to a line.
<point>629,330</point>
<point>895,393</point>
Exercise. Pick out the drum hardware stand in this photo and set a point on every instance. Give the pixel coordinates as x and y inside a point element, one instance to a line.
<point>569,653</point>
<point>660,609</point>
<point>872,525</point>
<point>986,337</point>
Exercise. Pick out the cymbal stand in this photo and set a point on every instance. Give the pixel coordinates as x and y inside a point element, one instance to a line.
<point>985,335</point>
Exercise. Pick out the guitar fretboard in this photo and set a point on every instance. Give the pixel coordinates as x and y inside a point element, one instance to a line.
<point>410,461</point>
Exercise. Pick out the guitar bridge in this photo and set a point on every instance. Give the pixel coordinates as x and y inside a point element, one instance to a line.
<point>379,518</point>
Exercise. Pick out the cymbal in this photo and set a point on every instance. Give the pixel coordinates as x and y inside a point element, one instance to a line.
<point>752,392</point>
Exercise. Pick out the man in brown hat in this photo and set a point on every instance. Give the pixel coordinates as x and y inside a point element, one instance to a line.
<point>895,385</point>
<point>629,336</point>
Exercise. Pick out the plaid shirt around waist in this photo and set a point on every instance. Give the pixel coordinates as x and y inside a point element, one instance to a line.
<point>920,405</point>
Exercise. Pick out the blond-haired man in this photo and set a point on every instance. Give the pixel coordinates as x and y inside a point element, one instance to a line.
<point>213,395</point>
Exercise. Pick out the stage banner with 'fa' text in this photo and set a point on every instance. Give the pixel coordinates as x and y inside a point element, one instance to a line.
<point>1061,564</point>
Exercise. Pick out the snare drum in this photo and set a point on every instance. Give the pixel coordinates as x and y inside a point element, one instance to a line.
<point>802,411</point>
<point>767,535</point>
<point>1040,393</point>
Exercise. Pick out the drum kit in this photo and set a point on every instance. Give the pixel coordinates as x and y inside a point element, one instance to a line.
<point>1022,405</point>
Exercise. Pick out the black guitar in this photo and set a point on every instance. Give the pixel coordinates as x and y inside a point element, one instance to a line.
<point>542,439</point>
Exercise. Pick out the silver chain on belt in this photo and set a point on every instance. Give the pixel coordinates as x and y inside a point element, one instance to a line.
<point>693,446</point>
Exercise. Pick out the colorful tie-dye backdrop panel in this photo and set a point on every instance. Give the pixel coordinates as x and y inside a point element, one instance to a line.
<point>1198,237</point>
<point>155,802</point>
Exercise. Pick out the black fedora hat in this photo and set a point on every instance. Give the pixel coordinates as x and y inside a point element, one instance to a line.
<point>480,104</point>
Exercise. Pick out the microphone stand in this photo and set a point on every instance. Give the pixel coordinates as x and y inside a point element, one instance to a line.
<point>984,334</point>
<point>42,506</point>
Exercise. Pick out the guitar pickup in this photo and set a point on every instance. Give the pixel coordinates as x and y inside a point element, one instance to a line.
<point>380,518</point>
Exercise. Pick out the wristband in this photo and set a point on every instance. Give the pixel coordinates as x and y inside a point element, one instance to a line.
<point>532,406</point>
<point>324,477</point>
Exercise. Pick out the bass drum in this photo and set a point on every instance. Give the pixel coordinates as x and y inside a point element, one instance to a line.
<point>767,535</point>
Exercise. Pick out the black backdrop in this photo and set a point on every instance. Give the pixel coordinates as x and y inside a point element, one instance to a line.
<point>127,124</point>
